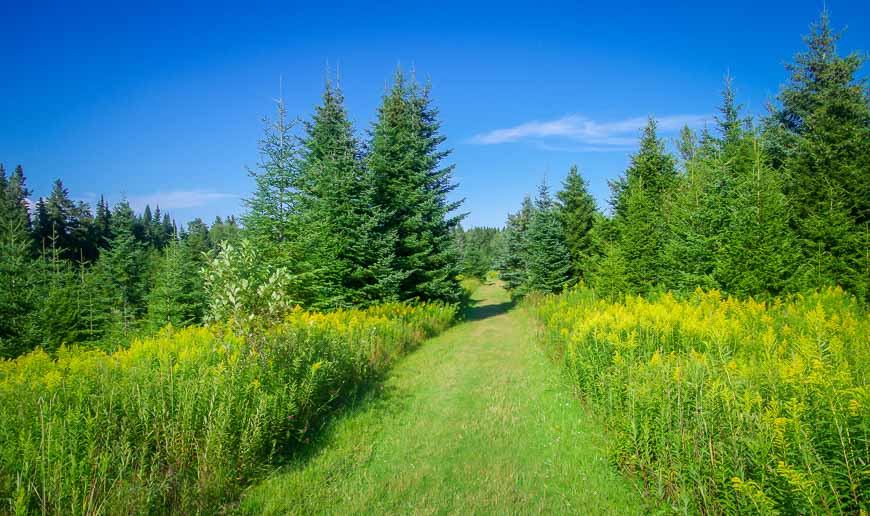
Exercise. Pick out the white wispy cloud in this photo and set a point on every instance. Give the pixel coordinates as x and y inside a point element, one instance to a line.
<point>592,135</point>
<point>178,199</point>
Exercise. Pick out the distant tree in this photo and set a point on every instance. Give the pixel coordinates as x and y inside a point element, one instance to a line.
<point>177,296</point>
<point>513,264</point>
<point>479,249</point>
<point>13,198</point>
<point>103,224</point>
<point>548,260</point>
<point>222,230</point>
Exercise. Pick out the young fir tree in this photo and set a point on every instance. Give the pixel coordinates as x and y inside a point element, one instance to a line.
<point>548,259</point>
<point>690,249</point>
<point>177,297</point>
<point>608,266</point>
<point>57,221</point>
<point>641,213</point>
<point>121,270</point>
<point>59,318</point>
<point>513,263</point>
<point>410,187</point>
<point>819,135</point>
<point>18,296</point>
<point>272,218</point>
<point>577,212</point>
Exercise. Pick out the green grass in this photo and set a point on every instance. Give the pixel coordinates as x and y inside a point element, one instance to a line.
<point>476,420</point>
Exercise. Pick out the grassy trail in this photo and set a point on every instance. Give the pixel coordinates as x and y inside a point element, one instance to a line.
<point>475,421</point>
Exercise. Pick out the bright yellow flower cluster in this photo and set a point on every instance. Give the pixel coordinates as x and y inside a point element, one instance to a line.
<point>180,421</point>
<point>727,405</point>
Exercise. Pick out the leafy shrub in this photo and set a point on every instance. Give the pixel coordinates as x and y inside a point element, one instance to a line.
<point>720,405</point>
<point>180,421</point>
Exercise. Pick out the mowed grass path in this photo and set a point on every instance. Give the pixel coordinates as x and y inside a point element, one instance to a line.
<point>476,420</point>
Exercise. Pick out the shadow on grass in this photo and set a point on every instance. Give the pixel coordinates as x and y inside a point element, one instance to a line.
<point>479,313</point>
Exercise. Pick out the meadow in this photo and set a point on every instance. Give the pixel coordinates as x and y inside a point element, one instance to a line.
<point>718,405</point>
<point>181,421</point>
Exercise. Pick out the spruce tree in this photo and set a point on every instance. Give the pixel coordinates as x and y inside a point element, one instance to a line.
<point>757,255</point>
<point>819,135</point>
<point>353,259</point>
<point>177,296</point>
<point>122,270</point>
<point>641,213</point>
<point>410,188</point>
<point>513,264</point>
<point>18,296</point>
<point>548,258</point>
<point>577,213</point>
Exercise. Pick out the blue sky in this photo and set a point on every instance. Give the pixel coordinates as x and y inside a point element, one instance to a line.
<point>163,103</point>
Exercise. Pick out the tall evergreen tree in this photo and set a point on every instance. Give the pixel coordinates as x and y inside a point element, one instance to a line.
<point>577,213</point>
<point>819,134</point>
<point>641,214</point>
<point>18,296</point>
<point>411,187</point>
<point>356,256</point>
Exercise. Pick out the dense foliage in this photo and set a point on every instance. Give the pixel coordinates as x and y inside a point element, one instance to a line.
<point>727,406</point>
<point>181,420</point>
<point>479,249</point>
<point>754,210</point>
<point>334,222</point>
<point>723,331</point>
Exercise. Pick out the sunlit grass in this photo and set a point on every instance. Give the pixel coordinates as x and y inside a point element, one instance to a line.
<point>476,421</point>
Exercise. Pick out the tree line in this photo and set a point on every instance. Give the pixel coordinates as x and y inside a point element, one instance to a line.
<point>335,220</point>
<point>750,207</point>
<point>70,274</point>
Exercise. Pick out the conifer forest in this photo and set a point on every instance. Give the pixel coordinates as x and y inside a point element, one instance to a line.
<point>349,342</point>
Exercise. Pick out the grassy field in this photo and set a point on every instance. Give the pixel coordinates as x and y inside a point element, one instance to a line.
<point>475,421</point>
